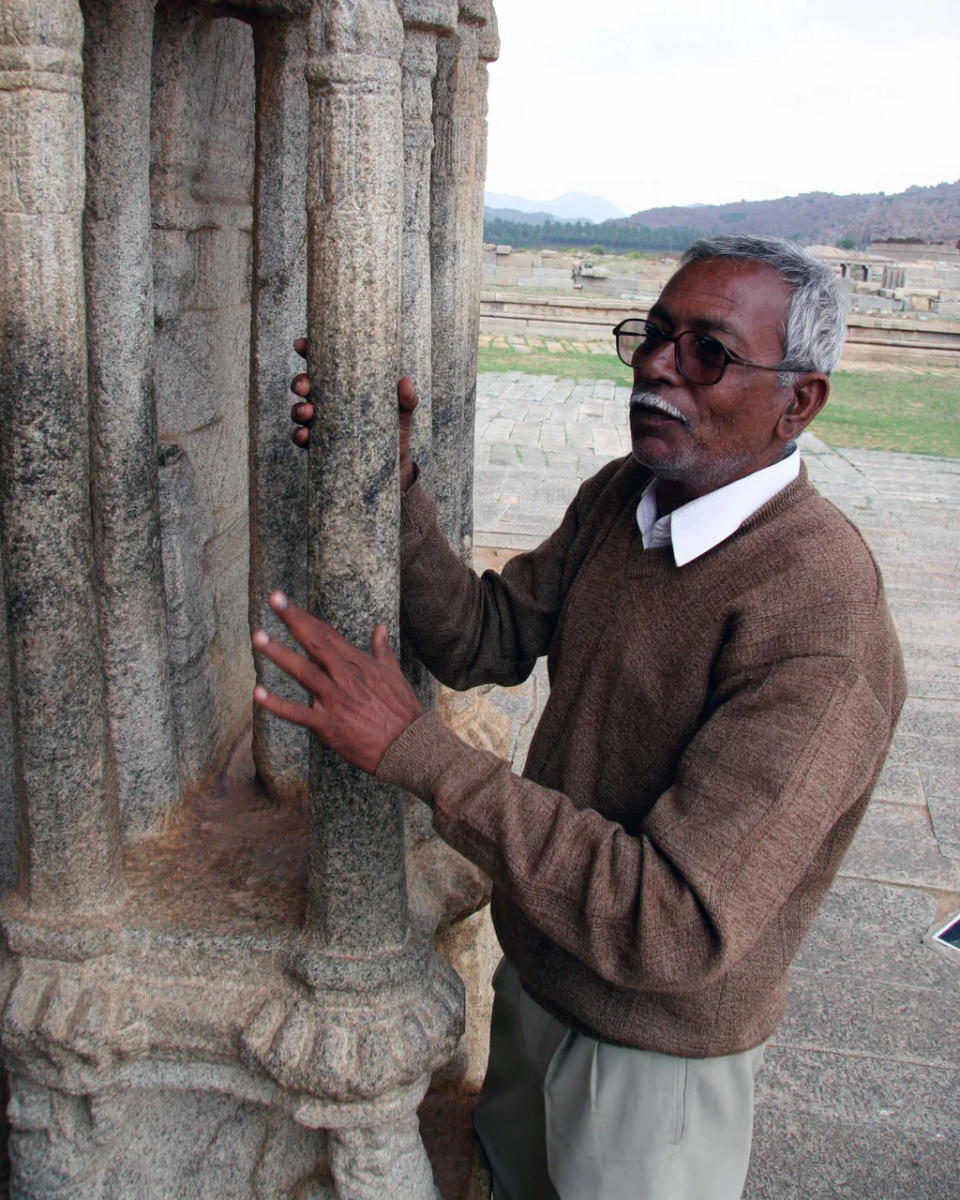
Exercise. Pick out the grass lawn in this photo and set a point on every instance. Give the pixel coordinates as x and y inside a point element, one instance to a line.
<point>538,360</point>
<point>914,412</point>
<point>886,410</point>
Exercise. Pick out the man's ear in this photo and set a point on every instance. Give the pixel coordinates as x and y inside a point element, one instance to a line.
<point>808,394</point>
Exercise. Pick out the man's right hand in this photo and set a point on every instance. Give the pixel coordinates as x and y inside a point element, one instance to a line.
<point>303,411</point>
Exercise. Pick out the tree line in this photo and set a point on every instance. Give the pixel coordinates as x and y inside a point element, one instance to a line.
<point>611,235</point>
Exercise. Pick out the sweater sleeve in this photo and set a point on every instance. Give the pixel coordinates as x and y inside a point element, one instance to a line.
<point>763,790</point>
<point>470,630</point>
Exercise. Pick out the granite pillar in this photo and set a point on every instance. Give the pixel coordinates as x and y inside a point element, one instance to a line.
<point>118,50</point>
<point>64,788</point>
<point>278,472</point>
<point>356,889</point>
<point>424,21</point>
<point>488,50</point>
<point>455,160</point>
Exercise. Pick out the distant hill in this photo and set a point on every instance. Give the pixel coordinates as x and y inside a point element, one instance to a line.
<point>571,206</point>
<point>520,216</point>
<point>928,214</point>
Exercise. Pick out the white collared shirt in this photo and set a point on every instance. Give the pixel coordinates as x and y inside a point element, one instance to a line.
<point>698,526</point>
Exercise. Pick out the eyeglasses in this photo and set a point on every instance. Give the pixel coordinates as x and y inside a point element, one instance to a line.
<point>700,358</point>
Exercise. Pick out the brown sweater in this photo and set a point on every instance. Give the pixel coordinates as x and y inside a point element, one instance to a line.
<point>709,745</point>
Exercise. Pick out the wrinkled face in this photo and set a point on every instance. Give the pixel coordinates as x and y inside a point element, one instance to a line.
<point>711,435</point>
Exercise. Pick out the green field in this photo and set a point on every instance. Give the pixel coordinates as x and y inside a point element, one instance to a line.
<point>912,411</point>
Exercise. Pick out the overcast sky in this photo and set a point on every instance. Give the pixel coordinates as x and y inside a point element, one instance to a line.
<point>682,101</point>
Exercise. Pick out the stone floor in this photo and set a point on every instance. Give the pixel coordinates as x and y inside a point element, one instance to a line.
<point>859,1095</point>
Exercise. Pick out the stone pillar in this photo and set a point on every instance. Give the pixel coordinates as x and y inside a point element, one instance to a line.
<point>278,471</point>
<point>65,796</point>
<point>405,1005</point>
<point>488,50</point>
<point>118,50</point>
<point>424,21</point>
<point>356,888</point>
<point>455,162</point>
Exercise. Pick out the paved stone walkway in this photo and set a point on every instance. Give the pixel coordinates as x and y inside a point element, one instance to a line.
<point>859,1095</point>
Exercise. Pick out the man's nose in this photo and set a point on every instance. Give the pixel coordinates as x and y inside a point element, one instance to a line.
<point>658,365</point>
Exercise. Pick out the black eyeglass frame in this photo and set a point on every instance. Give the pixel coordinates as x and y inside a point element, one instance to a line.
<point>728,355</point>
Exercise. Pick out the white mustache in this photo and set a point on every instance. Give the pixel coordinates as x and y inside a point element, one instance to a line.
<point>651,400</point>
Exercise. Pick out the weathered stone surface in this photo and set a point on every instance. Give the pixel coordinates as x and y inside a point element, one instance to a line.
<point>117,54</point>
<point>438,16</point>
<point>877,850</point>
<point>197,993</point>
<point>387,1160</point>
<point>190,617</point>
<point>453,273</point>
<point>64,782</point>
<point>278,470</point>
<point>858,1088</point>
<point>870,930</point>
<point>800,1157</point>
<point>202,141</point>
<point>250,1020</point>
<point>139,1142</point>
<point>8,842</point>
<point>354,205</point>
<point>422,22</point>
<point>419,68</point>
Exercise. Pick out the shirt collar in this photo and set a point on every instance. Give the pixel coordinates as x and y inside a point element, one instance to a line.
<point>701,524</point>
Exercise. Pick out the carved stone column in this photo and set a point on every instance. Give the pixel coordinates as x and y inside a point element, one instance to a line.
<point>278,472</point>
<point>488,50</point>
<point>356,890</point>
<point>360,942</point>
<point>455,160</point>
<point>118,50</point>
<point>424,21</point>
<point>65,794</point>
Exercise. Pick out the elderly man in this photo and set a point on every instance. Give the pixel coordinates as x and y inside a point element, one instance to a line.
<point>724,683</point>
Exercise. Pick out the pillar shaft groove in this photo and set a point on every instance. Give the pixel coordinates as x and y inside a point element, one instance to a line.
<point>118,51</point>
<point>65,796</point>
<point>278,470</point>
<point>356,888</point>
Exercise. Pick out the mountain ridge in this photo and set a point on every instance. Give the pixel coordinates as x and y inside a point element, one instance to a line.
<point>928,214</point>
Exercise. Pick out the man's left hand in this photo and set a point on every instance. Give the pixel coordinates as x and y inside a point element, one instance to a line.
<point>360,703</point>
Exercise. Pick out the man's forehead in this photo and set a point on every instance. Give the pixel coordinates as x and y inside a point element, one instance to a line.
<point>731,296</point>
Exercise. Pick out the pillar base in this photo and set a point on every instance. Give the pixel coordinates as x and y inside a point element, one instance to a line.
<point>269,1068</point>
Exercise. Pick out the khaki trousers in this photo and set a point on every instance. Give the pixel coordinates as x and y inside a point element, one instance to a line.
<point>563,1116</point>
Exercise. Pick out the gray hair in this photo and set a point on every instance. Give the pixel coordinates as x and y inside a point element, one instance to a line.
<point>817,317</point>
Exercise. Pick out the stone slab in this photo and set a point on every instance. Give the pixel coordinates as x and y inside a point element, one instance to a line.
<point>799,1157</point>
<point>869,930</point>
<point>862,1089</point>
<point>837,1012</point>
<point>895,844</point>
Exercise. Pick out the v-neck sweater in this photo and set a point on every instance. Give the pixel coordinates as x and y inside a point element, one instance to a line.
<point>709,745</point>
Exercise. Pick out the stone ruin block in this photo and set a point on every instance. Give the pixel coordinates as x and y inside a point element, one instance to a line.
<point>215,980</point>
